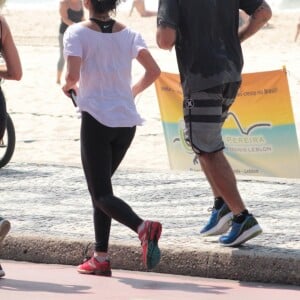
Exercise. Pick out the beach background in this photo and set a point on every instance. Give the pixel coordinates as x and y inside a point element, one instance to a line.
<point>47,127</point>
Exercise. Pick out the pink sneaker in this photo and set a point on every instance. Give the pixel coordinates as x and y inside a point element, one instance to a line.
<point>93,266</point>
<point>149,237</point>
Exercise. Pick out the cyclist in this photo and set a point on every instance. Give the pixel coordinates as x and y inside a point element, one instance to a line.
<point>11,69</point>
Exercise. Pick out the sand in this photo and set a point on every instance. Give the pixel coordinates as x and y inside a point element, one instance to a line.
<point>46,124</point>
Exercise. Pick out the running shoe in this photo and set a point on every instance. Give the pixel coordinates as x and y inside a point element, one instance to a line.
<point>219,221</point>
<point>149,237</point>
<point>241,232</point>
<point>93,266</point>
<point>4,228</point>
<point>2,273</point>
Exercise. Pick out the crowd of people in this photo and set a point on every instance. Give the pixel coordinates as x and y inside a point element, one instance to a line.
<point>99,52</point>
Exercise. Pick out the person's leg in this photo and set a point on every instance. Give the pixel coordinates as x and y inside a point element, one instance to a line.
<point>3,114</point>
<point>222,179</point>
<point>4,228</point>
<point>203,122</point>
<point>244,225</point>
<point>148,231</point>
<point>100,160</point>
<point>96,161</point>
<point>205,114</point>
<point>103,148</point>
<point>224,182</point>
<point>221,215</point>
<point>297,32</point>
<point>140,7</point>
<point>61,60</point>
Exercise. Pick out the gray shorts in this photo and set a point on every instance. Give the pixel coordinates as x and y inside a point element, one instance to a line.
<point>204,116</point>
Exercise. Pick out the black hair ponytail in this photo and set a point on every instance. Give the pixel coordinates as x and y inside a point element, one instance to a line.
<point>103,6</point>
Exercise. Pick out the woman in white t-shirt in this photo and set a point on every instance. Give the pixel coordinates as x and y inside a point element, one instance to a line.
<point>99,54</point>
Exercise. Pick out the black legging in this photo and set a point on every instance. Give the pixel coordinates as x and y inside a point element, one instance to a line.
<point>3,114</point>
<point>102,150</point>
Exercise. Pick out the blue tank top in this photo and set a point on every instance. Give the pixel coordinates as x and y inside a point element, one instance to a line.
<point>74,15</point>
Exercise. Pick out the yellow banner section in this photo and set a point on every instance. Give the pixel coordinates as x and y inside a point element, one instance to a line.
<point>169,93</point>
<point>259,134</point>
<point>264,93</point>
<point>271,86</point>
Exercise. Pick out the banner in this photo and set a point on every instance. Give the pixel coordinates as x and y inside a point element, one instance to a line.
<point>259,134</point>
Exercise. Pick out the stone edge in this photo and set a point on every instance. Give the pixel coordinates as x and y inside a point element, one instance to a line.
<point>250,266</point>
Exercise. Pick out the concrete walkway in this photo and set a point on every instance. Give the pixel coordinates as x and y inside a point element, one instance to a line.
<point>51,216</point>
<point>28,281</point>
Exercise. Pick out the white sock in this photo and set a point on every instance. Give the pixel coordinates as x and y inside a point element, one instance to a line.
<point>141,227</point>
<point>101,258</point>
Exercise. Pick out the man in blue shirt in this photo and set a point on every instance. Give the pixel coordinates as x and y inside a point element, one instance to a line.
<point>207,40</point>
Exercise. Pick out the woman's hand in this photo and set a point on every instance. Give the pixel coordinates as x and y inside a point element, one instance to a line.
<point>67,90</point>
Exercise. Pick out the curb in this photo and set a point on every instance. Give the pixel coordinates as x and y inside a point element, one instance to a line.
<point>245,265</point>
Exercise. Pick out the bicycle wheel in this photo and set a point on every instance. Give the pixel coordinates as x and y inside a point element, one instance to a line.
<point>8,142</point>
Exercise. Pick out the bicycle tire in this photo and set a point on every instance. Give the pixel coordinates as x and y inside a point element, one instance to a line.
<point>9,147</point>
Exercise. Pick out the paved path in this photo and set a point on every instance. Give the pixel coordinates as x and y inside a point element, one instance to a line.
<point>51,202</point>
<point>28,281</point>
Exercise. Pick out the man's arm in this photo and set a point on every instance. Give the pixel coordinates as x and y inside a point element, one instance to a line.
<point>256,21</point>
<point>167,20</point>
<point>165,37</point>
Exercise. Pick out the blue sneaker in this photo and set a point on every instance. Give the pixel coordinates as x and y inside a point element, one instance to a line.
<point>241,232</point>
<point>219,222</point>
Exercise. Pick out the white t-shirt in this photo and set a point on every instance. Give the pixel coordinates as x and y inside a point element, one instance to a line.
<point>105,75</point>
